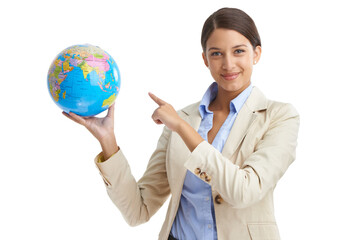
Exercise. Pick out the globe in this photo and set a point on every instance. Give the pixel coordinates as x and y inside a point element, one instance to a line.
<point>83,79</point>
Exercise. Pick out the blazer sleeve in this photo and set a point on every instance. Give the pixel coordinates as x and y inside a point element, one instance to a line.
<point>137,201</point>
<point>242,187</point>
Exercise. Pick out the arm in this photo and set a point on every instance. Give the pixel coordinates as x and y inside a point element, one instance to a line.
<point>137,201</point>
<point>242,187</point>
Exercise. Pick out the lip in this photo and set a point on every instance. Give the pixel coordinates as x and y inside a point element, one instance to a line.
<point>230,76</point>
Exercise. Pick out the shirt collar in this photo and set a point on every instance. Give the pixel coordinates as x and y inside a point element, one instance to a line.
<point>210,94</point>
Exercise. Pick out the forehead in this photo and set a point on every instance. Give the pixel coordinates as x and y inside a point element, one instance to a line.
<point>225,38</point>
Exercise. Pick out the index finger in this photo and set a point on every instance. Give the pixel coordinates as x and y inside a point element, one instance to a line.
<point>156,99</point>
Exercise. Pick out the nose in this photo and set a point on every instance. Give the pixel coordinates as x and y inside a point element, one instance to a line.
<point>228,62</point>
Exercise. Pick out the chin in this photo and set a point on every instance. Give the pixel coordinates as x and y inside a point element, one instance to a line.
<point>234,87</point>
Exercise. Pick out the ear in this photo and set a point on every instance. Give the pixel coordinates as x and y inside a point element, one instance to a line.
<point>257,54</point>
<point>205,60</point>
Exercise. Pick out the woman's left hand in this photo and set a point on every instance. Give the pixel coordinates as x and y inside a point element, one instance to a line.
<point>165,114</point>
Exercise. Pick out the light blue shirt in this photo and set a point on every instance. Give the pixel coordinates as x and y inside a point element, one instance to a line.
<point>195,218</point>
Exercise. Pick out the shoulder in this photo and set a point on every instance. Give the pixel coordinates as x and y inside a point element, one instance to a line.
<point>257,102</point>
<point>281,112</point>
<point>276,109</point>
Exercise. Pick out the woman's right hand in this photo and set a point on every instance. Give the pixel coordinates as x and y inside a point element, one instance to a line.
<point>101,128</point>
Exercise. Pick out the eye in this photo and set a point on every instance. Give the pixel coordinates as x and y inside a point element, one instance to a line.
<point>238,51</point>
<point>215,54</point>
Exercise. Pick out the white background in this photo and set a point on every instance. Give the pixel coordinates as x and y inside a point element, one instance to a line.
<point>49,185</point>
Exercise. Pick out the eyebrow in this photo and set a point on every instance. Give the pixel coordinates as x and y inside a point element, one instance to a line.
<point>215,48</point>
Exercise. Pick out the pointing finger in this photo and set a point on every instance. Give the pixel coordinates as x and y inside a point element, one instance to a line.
<point>156,99</point>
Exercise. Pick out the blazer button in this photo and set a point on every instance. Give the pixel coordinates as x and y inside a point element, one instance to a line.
<point>218,199</point>
<point>203,175</point>
<point>207,178</point>
<point>197,171</point>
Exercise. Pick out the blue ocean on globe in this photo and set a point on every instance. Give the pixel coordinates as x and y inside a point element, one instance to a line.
<point>84,79</point>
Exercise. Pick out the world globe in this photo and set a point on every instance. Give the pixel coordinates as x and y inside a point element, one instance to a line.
<point>83,79</point>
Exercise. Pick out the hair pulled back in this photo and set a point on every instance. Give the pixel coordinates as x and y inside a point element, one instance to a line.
<point>233,19</point>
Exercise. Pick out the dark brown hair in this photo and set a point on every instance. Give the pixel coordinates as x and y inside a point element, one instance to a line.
<point>234,19</point>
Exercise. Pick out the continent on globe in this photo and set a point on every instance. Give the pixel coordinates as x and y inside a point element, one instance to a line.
<point>109,101</point>
<point>86,77</point>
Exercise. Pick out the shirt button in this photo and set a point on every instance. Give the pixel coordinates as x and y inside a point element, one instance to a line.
<point>207,199</point>
<point>209,226</point>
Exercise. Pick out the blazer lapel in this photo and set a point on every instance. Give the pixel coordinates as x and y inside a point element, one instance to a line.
<point>238,131</point>
<point>245,118</point>
<point>193,115</point>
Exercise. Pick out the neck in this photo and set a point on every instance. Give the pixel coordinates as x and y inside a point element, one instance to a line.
<point>223,99</point>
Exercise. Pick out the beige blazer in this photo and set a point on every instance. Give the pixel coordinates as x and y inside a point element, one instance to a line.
<point>258,151</point>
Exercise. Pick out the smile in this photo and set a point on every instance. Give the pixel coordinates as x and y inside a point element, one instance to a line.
<point>229,76</point>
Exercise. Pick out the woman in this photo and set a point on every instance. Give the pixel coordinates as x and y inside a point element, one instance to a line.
<point>220,158</point>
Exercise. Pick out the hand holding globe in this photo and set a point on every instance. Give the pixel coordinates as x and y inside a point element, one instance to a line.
<point>84,80</point>
<point>101,128</point>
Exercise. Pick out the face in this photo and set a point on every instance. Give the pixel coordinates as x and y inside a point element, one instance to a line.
<point>230,58</point>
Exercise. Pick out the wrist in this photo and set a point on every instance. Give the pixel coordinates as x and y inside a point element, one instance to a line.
<point>189,135</point>
<point>109,146</point>
<point>181,127</point>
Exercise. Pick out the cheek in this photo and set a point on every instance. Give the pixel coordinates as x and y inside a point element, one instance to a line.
<point>246,64</point>
<point>214,67</point>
